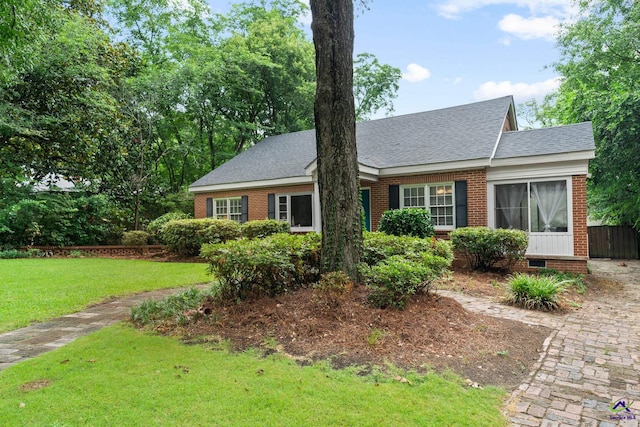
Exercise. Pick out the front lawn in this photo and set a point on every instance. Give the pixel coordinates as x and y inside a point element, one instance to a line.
<point>120,376</point>
<point>33,290</point>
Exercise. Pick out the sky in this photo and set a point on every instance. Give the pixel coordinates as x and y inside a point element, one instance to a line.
<point>454,52</point>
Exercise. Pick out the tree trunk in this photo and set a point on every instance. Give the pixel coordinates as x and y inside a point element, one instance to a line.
<point>337,159</point>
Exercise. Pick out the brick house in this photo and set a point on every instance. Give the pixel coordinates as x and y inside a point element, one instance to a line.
<point>469,165</point>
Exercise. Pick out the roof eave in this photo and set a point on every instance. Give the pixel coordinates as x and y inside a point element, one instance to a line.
<point>435,167</point>
<point>279,182</point>
<point>544,158</point>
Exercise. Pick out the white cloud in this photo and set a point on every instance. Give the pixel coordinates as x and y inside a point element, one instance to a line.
<point>416,73</point>
<point>506,40</point>
<point>529,28</point>
<point>521,91</point>
<point>454,8</point>
<point>540,23</point>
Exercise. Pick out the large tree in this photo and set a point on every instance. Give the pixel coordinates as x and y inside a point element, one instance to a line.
<point>375,86</point>
<point>600,69</point>
<point>337,158</point>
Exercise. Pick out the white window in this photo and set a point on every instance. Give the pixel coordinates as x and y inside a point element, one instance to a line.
<point>538,207</point>
<point>228,209</point>
<point>297,210</point>
<point>440,202</point>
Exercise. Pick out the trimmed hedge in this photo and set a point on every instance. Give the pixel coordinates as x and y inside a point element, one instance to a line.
<point>271,266</point>
<point>264,227</point>
<point>397,267</point>
<point>486,249</point>
<point>156,227</point>
<point>186,236</point>
<point>380,246</point>
<point>407,222</point>
<point>394,280</point>
<point>135,238</point>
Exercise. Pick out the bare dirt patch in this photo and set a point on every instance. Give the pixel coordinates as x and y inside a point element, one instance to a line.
<point>35,385</point>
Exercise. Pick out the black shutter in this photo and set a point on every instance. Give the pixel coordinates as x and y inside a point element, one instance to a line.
<point>394,197</point>
<point>461,204</point>
<point>245,209</point>
<point>271,205</point>
<point>209,207</point>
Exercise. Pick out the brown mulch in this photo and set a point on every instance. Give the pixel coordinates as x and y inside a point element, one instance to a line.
<point>433,332</point>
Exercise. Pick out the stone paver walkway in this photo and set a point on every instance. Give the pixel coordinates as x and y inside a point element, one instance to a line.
<point>21,344</point>
<point>588,363</point>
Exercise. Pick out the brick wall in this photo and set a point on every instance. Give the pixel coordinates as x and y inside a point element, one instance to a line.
<point>257,199</point>
<point>580,238</point>
<point>476,193</point>
<point>108,251</point>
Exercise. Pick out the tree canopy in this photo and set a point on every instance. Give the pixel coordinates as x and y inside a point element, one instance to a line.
<point>600,70</point>
<point>136,99</point>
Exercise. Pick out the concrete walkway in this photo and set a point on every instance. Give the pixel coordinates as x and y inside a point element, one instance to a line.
<point>21,344</point>
<point>588,363</point>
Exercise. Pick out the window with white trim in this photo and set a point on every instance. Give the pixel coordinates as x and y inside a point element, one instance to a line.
<point>230,208</point>
<point>536,206</point>
<point>437,198</point>
<point>296,209</point>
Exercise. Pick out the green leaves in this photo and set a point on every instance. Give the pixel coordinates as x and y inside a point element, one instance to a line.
<point>600,70</point>
<point>485,249</point>
<point>375,85</point>
<point>407,222</point>
<point>535,292</point>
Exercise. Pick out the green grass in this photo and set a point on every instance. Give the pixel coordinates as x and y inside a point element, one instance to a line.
<point>33,290</point>
<point>120,376</point>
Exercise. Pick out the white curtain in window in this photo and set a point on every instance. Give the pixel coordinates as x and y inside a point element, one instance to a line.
<point>510,202</point>
<point>550,197</point>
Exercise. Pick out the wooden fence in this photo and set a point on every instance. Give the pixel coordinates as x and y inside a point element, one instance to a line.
<point>613,242</point>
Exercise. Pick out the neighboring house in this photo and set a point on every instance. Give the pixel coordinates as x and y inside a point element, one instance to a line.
<point>469,165</point>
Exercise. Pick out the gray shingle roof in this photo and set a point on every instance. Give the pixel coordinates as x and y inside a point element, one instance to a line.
<point>281,156</point>
<point>465,132</point>
<point>554,140</point>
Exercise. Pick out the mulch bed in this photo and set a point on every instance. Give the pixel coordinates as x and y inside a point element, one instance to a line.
<point>433,332</point>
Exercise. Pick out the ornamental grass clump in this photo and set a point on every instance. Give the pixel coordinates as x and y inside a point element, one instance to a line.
<point>535,292</point>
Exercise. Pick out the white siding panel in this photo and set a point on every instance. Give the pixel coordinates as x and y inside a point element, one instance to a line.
<point>550,244</point>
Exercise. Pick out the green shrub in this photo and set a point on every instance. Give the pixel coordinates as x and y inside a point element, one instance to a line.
<point>535,292</point>
<point>407,222</point>
<point>380,246</point>
<point>262,228</point>
<point>173,308</point>
<point>14,254</point>
<point>395,279</point>
<point>60,220</point>
<point>135,238</point>
<point>332,288</point>
<point>156,227</point>
<point>264,267</point>
<point>186,236</point>
<point>486,249</point>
